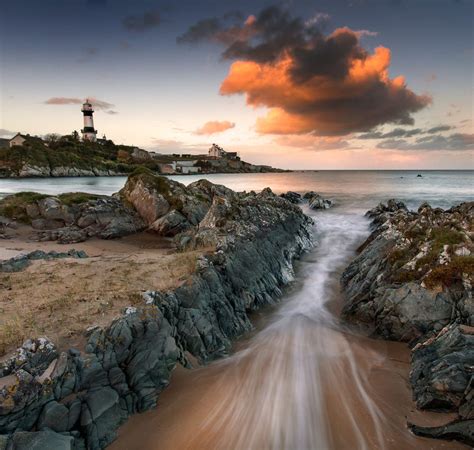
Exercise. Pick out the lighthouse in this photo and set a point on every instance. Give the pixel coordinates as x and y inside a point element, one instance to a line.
<point>88,132</point>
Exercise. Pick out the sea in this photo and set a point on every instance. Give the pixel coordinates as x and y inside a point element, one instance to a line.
<point>302,379</point>
<point>358,189</point>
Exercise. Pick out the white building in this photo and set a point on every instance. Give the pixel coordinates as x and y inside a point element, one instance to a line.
<point>217,152</point>
<point>18,139</point>
<point>187,166</point>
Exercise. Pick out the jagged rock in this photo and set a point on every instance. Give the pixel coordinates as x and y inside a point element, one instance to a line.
<point>442,371</point>
<point>170,224</point>
<point>46,224</point>
<point>126,364</point>
<point>51,208</point>
<point>148,193</point>
<point>292,197</point>
<point>101,416</point>
<point>405,281</point>
<point>408,284</point>
<point>146,198</point>
<point>41,440</point>
<point>316,201</point>
<point>20,262</point>
<point>462,431</point>
<point>59,417</point>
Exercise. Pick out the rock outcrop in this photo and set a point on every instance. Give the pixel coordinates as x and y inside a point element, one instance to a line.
<point>412,282</point>
<point>316,201</point>
<point>73,217</point>
<point>73,400</point>
<point>442,377</point>
<point>414,273</point>
<point>293,197</point>
<point>22,261</point>
<point>169,207</point>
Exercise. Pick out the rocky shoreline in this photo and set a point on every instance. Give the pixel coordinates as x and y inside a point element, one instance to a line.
<point>74,399</point>
<point>412,282</point>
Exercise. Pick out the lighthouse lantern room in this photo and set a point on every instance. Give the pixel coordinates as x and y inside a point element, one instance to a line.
<point>88,132</point>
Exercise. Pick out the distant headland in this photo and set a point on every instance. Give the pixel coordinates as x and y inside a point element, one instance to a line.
<point>71,155</point>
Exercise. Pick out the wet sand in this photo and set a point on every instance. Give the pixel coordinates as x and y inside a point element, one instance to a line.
<point>302,380</point>
<point>191,412</point>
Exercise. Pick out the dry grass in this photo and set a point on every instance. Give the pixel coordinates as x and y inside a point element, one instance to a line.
<point>61,298</point>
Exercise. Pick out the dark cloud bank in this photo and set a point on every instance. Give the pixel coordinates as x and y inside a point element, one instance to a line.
<point>143,22</point>
<point>311,82</point>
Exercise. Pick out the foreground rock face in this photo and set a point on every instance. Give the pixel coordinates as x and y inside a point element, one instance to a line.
<point>74,400</point>
<point>73,217</point>
<point>414,273</point>
<point>442,377</point>
<point>412,281</point>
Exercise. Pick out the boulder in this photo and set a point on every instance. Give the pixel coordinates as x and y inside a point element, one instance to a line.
<point>170,224</point>
<point>47,224</point>
<point>292,197</point>
<point>41,440</point>
<point>146,193</point>
<point>442,371</point>
<point>51,208</point>
<point>316,201</point>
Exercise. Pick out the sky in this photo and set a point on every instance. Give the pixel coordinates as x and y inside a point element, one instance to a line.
<point>330,84</point>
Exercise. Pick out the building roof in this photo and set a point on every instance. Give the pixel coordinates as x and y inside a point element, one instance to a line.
<point>27,137</point>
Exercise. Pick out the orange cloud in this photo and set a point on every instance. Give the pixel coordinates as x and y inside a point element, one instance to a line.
<point>214,126</point>
<point>311,142</point>
<point>350,90</point>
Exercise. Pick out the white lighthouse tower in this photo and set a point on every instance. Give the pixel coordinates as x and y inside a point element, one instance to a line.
<point>88,132</point>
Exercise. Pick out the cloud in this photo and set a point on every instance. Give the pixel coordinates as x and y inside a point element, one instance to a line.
<point>453,142</point>
<point>311,142</point>
<point>395,133</point>
<point>6,133</point>
<point>202,30</point>
<point>366,33</point>
<point>112,112</point>
<point>319,19</point>
<point>174,146</point>
<point>64,101</point>
<point>214,126</point>
<point>403,133</point>
<point>311,83</point>
<point>96,103</point>
<point>439,128</point>
<point>144,22</point>
<point>227,29</point>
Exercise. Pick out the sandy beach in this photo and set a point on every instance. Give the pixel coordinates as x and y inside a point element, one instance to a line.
<point>61,298</point>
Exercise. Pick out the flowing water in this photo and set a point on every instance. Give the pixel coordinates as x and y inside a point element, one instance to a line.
<point>302,380</point>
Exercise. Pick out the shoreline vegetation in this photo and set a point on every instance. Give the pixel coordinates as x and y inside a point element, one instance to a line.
<point>66,156</point>
<point>183,268</point>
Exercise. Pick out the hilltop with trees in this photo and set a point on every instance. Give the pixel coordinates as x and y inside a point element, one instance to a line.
<point>64,156</point>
